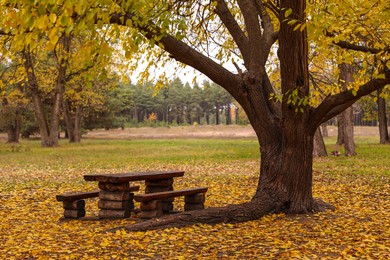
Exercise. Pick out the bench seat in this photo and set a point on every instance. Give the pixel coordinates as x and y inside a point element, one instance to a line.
<point>167,194</point>
<point>72,196</point>
<point>154,204</point>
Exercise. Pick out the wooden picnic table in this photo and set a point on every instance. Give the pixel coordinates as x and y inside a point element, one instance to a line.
<point>133,176</point>
<point>116,197</point>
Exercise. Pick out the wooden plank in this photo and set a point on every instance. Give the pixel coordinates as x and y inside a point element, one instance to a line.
<point>133,176</point>
<point>70,196</point>
<point>167,194</point>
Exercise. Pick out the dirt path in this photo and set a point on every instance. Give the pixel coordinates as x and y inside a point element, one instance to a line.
<point>221,131</point>
<point>233,131</point>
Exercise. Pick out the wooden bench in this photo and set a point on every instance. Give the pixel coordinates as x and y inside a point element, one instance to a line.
<point>152,204</point>
<point>74,203</point>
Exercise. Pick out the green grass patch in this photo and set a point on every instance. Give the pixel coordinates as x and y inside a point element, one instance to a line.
<point>371,158</point>
<point>122,152</point>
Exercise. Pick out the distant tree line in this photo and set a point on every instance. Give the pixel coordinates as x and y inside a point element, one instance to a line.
<point>174,104</point>
<point>133,105</point>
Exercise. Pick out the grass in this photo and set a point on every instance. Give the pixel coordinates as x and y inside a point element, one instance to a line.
<point>31,177</point>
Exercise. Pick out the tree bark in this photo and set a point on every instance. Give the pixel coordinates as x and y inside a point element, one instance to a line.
<point>349,142</point>
<point>340,130</point>
<point>324,130</point>
<point>228,114</point>
<point>13,130</point>
<point>217,121</point>
<point>13,133</point>
<point>319,145</point>
<point>382,118</point>
<point>41,118</point>
<point>77,125</point>
<point>70,127</point>
<point>59,90</point>
<point>346,117</point>
<point>73,122</point>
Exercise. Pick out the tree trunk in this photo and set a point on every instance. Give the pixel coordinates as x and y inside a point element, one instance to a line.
<point>207,118</point>
<point>77,125</point>
<point>13,134</point>
<point>41,119</point>
<point>319,145</point>
<point>346,117</point>
<point>55,116</point>
<point>228,115</point>
<point>73,123</point>
<point>382,118</point>
<point>59,90</point>
<point>217,121</point>
<point>340,130</point>
<point>324,130</point>
<point>70,127</point>
<point>13,131</point>
<point>349,143</point>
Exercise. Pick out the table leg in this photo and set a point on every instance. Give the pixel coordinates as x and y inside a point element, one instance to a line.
<point>115,200</point>
<point>159,186</point>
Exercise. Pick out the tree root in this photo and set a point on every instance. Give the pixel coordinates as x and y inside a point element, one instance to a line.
<point>231,214</point>
<point>322,206</point>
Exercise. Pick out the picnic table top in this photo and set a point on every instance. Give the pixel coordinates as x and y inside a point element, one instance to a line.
<point>133,176</point>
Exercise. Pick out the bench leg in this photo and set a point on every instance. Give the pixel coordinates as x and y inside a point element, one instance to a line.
<point>194,202</point>
<point>151,209</point>
<point>74,209</point>
<point>166,206</point>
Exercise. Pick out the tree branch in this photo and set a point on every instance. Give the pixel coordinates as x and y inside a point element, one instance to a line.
<point>333,105</point>
<point>269,32</point>
<point>354,47</point>
<point>234,29</point>
<point>252,25</point>
<point>182,52</point>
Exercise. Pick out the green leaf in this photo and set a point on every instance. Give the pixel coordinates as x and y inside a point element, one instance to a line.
<point>288,12</point>
<point>297,27</point>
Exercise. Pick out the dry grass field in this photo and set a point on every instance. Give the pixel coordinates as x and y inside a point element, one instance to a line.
<point>219,131</point>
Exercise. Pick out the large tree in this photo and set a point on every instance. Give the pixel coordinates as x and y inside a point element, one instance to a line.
<point>207,34</point>
<point>285,129</point>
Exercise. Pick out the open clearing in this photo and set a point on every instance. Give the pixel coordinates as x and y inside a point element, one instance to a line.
<point>200,131</point>
<point>358,186</point>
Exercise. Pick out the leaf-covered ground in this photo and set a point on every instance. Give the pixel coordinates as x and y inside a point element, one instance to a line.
<point>31,177</point>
